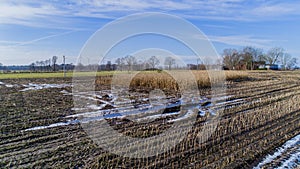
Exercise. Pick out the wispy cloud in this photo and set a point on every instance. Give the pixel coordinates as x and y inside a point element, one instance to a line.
<point>133,5</point>
<point>68,16</point>
<point>37,13</point>
<point>16,43</point>
<point>277,9</point>
<point>20,52</point>
<point>12,12</point>
<point>242,40</point>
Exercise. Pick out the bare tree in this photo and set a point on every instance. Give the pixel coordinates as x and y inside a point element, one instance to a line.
<point>231,58</point>
<point>32,66</point>
<point>247,57</point>
<point>130,61</point>
<point>273,55</point>
<point>153,61</point>
<point>169,61</point>
<point>54,60</point>
<point>251,55</point>
<point>43,65</point>
<point>120,63</point>
<point>123,63</point>
<point>38,65</point>
<point>140,65</point>
<point>287,61</point>
<point>292,63</point>
<point>47,64</point>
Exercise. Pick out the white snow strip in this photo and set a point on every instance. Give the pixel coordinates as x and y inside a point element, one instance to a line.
<point>66,92</point>
<point>93,107</point>
<point>78,109</point>
<point>222,97</point>
<point>188,114</point>
<point>106,102</point>
<point>291,162</point>
<point>290,143</point>
<point>202,112</point>
<point>86,114</point>
<point>9,85</point>
<point>212,112</point>
<point>230,101</point>
<point>157,116</point>
<point>53,125</point>
<point>122,106</point>
<point>32,86</point>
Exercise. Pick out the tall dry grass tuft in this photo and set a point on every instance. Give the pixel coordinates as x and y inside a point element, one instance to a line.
<point>171,80</point>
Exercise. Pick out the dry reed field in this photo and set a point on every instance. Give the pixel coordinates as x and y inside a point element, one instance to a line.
<point>41,128</point>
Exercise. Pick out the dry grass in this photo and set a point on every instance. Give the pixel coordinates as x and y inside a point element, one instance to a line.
<point>172,80</point>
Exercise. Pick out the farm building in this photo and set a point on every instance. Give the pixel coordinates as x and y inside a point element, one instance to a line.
<point>270,67</point>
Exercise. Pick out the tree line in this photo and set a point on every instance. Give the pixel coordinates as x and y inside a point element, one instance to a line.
<point>49,65</point>
<point>248,58</point>
<point>251,58</point>
<point>130,62</point>
<point>45,65</point>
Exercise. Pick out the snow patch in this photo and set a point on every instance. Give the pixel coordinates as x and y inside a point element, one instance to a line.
<point>292,162</point>
<point>53,125</point>
<point>9,85</point>
<point>33,86</point>
<point>125,107</point>
<point>290,143</point>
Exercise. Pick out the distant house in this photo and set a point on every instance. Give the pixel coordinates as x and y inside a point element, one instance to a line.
<point>241,66</point>
<point>270,67</point>
<point>296,68</point>
<point>259,65</point>
<point>192,66</point>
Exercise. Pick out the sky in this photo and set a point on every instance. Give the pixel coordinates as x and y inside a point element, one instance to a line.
<point>35,30</point>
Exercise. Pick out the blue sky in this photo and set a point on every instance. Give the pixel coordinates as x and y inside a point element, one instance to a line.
<point>34,30</point>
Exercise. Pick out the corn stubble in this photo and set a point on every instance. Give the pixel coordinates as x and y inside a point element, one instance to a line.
<point>246,131</point>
